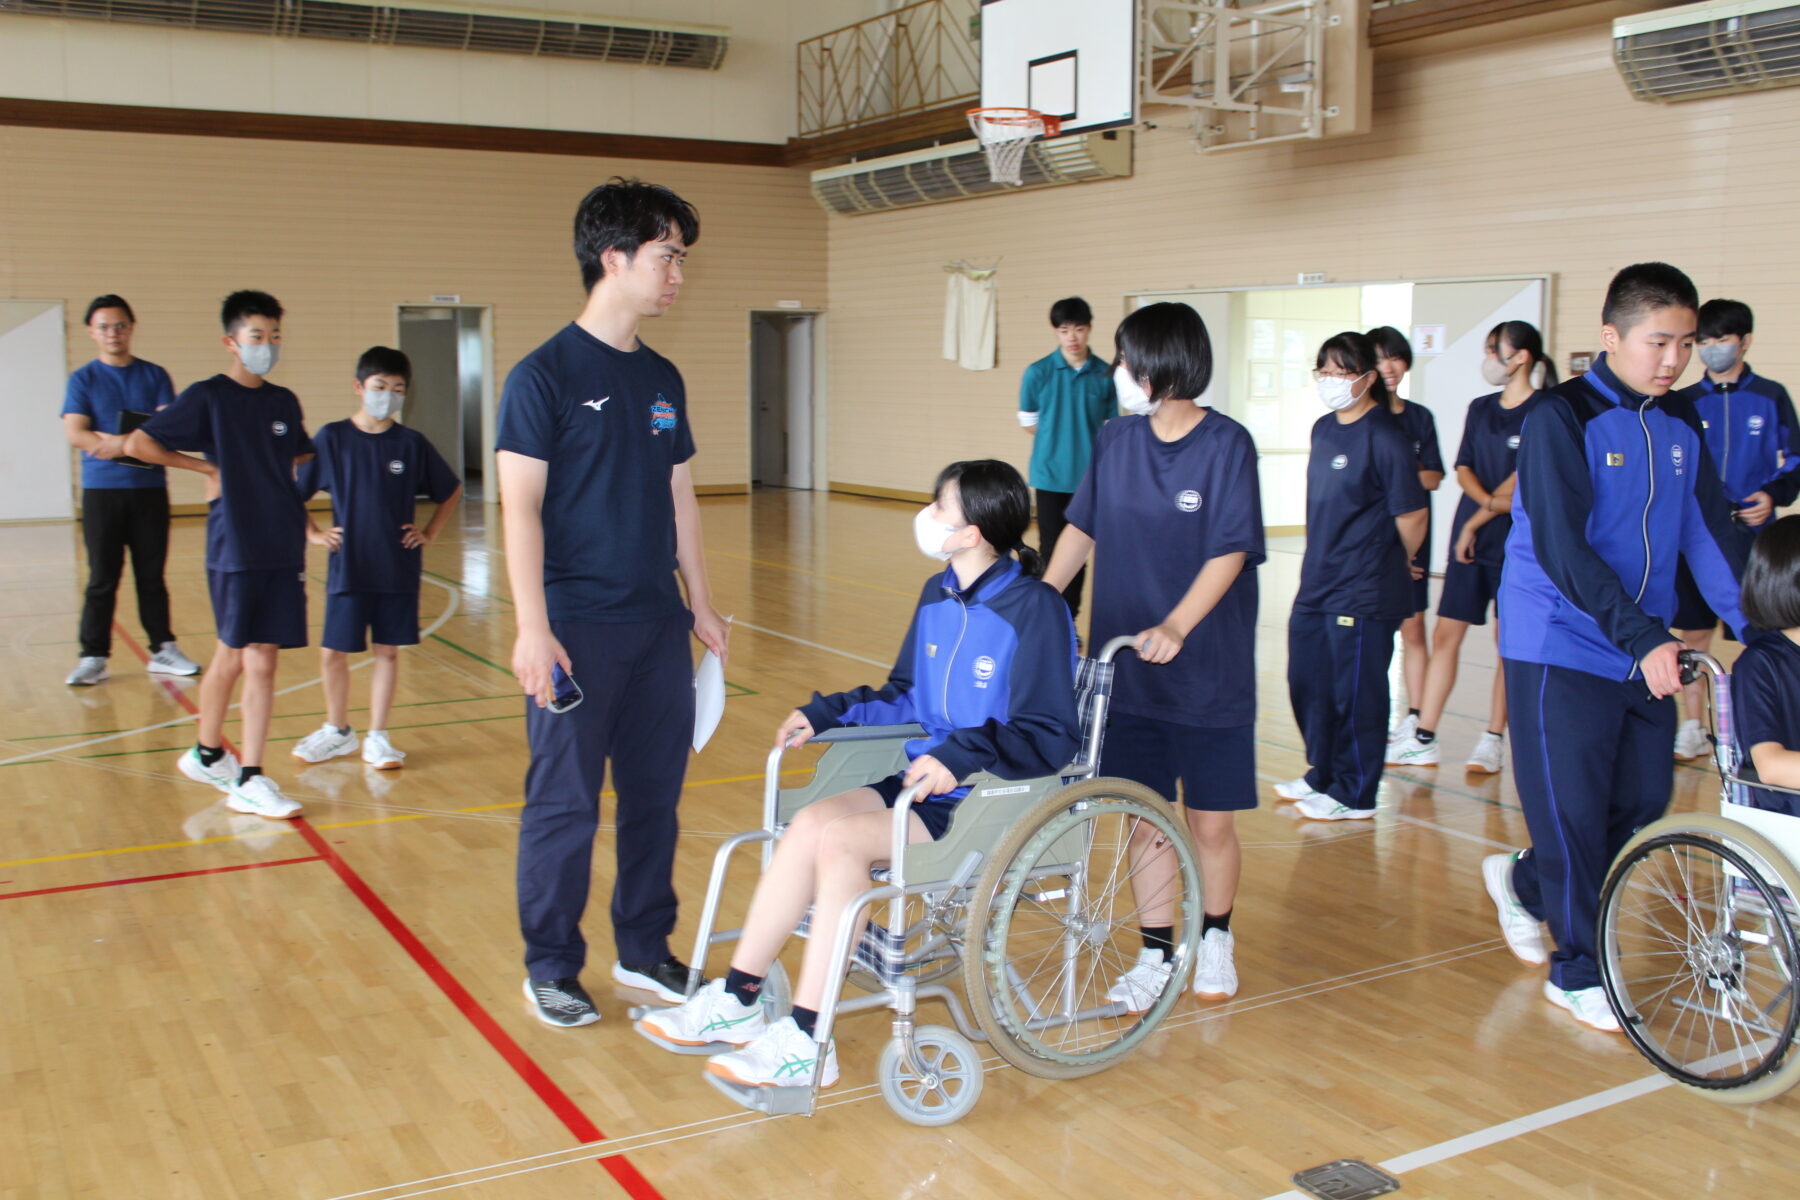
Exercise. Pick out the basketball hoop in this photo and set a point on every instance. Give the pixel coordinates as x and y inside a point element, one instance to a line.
<point>1004,134</point>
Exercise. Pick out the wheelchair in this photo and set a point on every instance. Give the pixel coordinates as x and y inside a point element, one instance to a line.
<point>1028,898</point>
<point>1698,949</point>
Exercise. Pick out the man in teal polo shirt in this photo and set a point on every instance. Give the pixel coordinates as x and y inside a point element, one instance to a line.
<point>1063,400</point>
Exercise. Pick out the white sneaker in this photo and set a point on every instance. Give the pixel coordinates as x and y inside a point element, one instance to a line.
<point>1320,807</point>
<point>1296,789</point>
<point>1216,976</point>
<point>1587,1005</point>
<point>1139,987</point>
<point>379,753</point>
<point>1524,935</point>
<point>260,796</point>
<point>88,672</point>
<point>169,660</point>
<point>1487,756</point>
<point>325,743</point>
<point>1411,752</point>
<point>1691,741</point>
<point>710,1016</point>
<point>1409,725</point>
<point>221,774</point>
<point>781,1057</point>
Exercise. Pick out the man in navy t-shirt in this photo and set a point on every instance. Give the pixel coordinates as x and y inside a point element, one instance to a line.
<point>600,514</point>
<point>375,468</point>
<point>252,434</point>
<point>124,503</point>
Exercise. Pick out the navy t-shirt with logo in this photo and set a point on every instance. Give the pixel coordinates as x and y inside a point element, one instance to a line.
<point>102,394</point>
<point>258,522</point>
<point>612,425</point>
<point>1359,478</point>
<point>373,479</point>
<point>1490,448</point>
<point>1765,696</point>
<point>1158,512</point>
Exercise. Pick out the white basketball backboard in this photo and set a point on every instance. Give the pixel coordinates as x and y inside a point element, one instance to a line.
<point>1073,59</point>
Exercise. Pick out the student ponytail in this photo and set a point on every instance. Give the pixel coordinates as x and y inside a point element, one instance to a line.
<point>1523,335</point>
<point>996,501</point>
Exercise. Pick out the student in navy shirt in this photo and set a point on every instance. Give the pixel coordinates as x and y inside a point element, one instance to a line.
<point>1484,470</point>
<point>1765,679</point>
<point>374,467</point>
<point>124,506</point>
<point>252,434</point>
<point>1365,518</point>
<point>1614,482</point>
<point>1393,359</point>
<point>1171,510</point>
<point>1755,442</point>
<point>600,514</point>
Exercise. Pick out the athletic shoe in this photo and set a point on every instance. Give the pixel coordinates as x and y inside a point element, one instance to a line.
<point>563,1003</point>
<point>325,743</point>
<point>1216,976</point>
<point>1320,807</point>
<point>1691,741</point>
<point>1409,725</point>
<point>1411,752</point>
<point>379,753</point>
<point>169,660</point>
<point>260,796</point>
<point>781,1057</point>
<point>668,978</point>
<point>1524,934</point>
<point>87,673</point>
<point>222,774</point>
<point>1296,789</point>
<point>1139,987</point>
<point>710,1015</point>
<point>1587,1005</point>
<point>1487,756</point>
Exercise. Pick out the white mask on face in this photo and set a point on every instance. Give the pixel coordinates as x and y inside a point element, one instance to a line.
<point>931,535</point>
<point>1132,396</point>
<point>1337,394</point>
<point>1494,372</point>
<point>259,359</point>
<point>382,404</point>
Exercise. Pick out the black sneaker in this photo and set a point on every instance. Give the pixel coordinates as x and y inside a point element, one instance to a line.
<point>563,1003</point>
<point>668,978</point>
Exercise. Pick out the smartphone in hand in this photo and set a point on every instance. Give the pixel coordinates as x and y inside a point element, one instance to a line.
<point>566,693</point>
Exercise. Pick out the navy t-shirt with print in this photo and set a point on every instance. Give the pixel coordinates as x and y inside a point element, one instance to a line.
<point>1159,511</point>
<point>373,479</point>
<point>1359,478</point>
<point>612,425</point>
<point>258,522</point>
<point>1490,448</point>
<point>1765,697</point>
<point>102,394</point>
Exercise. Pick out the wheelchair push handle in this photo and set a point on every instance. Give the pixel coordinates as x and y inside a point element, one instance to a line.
<point>1695,663</point>
<point>1112,648</point>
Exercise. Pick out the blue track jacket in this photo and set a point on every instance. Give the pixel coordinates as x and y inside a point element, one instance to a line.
<point>989,672</point>
<point>1746,424</point>
<point>1613,487</point>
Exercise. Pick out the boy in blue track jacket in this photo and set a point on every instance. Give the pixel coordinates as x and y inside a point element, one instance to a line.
<point>1614,483</point>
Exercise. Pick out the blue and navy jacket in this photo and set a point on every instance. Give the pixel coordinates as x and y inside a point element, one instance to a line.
<point>1749,426</point>
<point>1613,487</point>
<point>988,671</point>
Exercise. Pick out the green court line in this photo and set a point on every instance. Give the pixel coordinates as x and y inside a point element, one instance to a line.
<point>486,662</point>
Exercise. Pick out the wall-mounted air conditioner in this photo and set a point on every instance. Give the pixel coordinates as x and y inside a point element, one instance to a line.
<point>1712,49</point>
<point>960,170</point>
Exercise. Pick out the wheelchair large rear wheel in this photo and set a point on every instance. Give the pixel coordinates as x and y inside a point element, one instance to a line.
<point>1699,955</point>
<point>1054,926</point>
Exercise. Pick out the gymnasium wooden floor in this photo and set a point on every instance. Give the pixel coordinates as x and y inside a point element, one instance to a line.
<point>197,1004</point>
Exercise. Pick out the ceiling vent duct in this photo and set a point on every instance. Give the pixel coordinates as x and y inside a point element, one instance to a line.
<point>960,170</point>
<point>499,31</point>
<point>1714,49</point>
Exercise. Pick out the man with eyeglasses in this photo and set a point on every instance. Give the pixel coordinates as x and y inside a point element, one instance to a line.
<point>124,503</point>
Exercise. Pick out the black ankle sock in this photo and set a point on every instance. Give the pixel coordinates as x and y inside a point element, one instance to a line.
<point>1160,937</point>
<point>209,754</point>
<point>1426,736</point>
<point>343,730</point>
<point>743,985</point>
<point>1412,712</point>
<point>807,1019</point>
<point>1495,733</point>
<point>248,773</point>
<point>1211,923</point>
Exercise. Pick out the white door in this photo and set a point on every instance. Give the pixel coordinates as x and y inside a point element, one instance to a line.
<point>36,483</point>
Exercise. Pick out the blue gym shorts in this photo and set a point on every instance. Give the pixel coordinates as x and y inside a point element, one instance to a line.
<point>388,618</point>
<point>1216,767</point>
<point>1468,590</point>
<point>933,812</point>
<point>259,607</point>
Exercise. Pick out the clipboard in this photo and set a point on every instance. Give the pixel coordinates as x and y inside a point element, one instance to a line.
<point>129,420</point>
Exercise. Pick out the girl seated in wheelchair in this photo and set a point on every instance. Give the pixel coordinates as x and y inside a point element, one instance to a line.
<point>987,668</point>
<point>1765,680</point>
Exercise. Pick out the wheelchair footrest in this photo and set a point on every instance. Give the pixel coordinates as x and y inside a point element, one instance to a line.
<point>776,1101</point>
<point>706,1048</point>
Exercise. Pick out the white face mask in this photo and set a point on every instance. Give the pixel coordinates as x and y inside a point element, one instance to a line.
<point>931,535</point>
<point>382,404</point>
<point>259,359</point>
<point>1337,394</point>
<point>1132,396</point>
<point>1494,372</point>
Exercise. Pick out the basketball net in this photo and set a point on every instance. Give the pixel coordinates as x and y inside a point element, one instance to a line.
<point>1004,134</point>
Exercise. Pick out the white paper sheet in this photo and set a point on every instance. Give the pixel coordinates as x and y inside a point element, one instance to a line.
<point>709,698</point>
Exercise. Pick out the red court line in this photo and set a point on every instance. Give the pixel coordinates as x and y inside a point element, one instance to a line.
<point>554,1098</point>
<point>105,883</point>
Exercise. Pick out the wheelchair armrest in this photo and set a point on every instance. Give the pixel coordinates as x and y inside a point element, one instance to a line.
<point>866,733</point>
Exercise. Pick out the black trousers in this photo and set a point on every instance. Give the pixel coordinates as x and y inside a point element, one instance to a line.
<point>114,520</point>
<point>1050,521</point>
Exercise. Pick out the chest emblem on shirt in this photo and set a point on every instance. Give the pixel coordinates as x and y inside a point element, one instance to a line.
<point>1756,424</point>
<point>396,467</point>
<point>1340,462</point>
<point>1615,460</point>
<point>1677,456</point>
<point>662,415</point>
<point>1188,501</point>
<point>597,405</point>
<point>279,428</point>
<point>984,671</point>
<point>1512,443</point>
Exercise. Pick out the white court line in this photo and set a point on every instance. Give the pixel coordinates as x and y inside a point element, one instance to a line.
<point>815,645</point>
<point>1455,833</point>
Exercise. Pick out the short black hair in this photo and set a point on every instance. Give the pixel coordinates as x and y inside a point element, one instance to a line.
<point>1724,318</point>
<point>1166,345</point>
<point>1643,287</point>
<point>108,301</point>
<point>1390,343</point>
<point>1071,310</point>
<point>239,306</point>
<point>383,360</point>
<point>996,501</point>
<point>624,214</point>
<point>1353,352</point>
<point>1771,592</point>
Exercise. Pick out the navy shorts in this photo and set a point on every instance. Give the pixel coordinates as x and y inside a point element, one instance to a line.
<point>387,618</point>
<point>259,607</point>
<point>1421,594</point>
<point>1692,612</point>
<point>1216,767</point>
<point>1468,590</point>
<point>933,812</point>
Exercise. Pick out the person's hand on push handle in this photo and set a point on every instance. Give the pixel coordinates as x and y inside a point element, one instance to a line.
<point>1160,643</point>
<point>1662,670</point>
<point>794,731</point>
<point>535,653</point>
